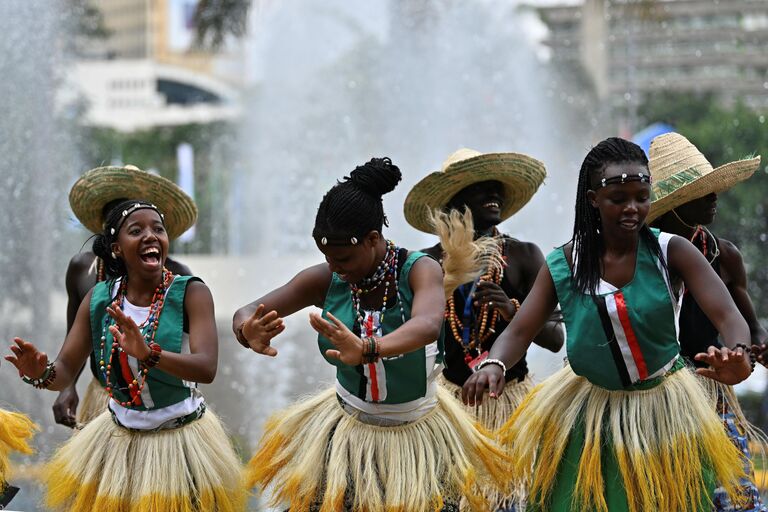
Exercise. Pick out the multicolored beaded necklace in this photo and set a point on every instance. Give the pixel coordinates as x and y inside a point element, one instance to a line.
<point>148,330</point>
<point>385,273</point>
<point>471,335</point>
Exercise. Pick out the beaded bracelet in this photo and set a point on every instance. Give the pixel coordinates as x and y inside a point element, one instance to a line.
<point>154,356</point>
<point>370,350</point>
<point>748,351</point>
<point>515,303</point>
<point>45,380</point>
<point>488,361</point>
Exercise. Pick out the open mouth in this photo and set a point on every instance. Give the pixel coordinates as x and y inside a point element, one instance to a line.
<point>629,224</point>
<point>150,255</point>
<point>492,205</point>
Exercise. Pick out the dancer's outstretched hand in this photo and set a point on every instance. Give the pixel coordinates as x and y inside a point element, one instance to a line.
<point>349,348</point>
<point>725,365</point>
<point>27,359</point>
<point>489,377</point>
<point>127,334</point>
<point>259,330</point>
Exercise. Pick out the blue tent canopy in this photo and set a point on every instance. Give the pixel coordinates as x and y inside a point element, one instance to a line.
<point>644,137</point>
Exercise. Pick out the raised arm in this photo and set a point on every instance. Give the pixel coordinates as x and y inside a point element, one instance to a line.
<point>73,354</point>
<point>426,281</point>
<point>255,329</point>
<point>197,366</point>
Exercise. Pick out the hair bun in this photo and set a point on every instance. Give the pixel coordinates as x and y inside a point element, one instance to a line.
<point>376,177</point>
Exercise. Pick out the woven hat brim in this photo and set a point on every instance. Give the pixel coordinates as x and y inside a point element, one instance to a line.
<point>99,186</point>
<point>520,175</point>
<point>719,180</point>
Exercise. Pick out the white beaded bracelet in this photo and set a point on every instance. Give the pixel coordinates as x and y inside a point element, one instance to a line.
<point>488,361</point>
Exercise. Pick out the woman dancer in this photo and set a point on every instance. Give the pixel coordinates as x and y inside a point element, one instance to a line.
<point>625,426</point>
<point>157,448</point>
<point>386,437</point>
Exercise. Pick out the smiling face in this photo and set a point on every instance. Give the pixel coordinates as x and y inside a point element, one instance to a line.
<point>623,207</point>
<point>142,243</point>
<point>486,201</point>
<point>353,263</point>
<point>699,211</point>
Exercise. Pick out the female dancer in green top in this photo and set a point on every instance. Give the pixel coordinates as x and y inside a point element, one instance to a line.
<point>625,426</point>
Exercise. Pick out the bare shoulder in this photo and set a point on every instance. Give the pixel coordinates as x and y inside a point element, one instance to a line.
<point>177,267</point>
<point>729,253</point>
<point>81,262</point>
<point>520,249</point>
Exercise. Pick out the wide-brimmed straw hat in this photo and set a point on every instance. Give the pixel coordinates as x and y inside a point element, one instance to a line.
<point>97,187</point>
<point>681,174</point>
<point>520,176</point>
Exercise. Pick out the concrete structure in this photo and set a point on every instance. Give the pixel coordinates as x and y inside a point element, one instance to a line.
<point>148,72</point>
<point>628,48</point>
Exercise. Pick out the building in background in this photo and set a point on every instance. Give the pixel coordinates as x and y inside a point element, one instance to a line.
<point>147,70</point>
<point>629,48</point>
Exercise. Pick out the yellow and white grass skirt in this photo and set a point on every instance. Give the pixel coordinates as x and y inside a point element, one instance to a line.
<point>316,453</point>
<point>16,430</point>
<point>661,441</point>
<point>94,403</point>
<point>492,414</point>
<point>107,468</point>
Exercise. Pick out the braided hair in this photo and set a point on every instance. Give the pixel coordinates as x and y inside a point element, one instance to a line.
<point>587,238</point>
<point>353,207</point>
<point>113,221</point>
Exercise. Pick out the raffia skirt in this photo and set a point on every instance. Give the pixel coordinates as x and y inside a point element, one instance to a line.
<point>316,455</point>
<point>93,404</point>
<point>492,415</point>
<point>16,430</point>
<point>656,447</point>
<point>108,468</point>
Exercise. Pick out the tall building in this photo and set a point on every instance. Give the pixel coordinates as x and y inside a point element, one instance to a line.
<point>148,71</point>
<point>628,48</point>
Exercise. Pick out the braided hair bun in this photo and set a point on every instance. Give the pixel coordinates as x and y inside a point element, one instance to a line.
<point>353,207</point>
<point>376,177</point>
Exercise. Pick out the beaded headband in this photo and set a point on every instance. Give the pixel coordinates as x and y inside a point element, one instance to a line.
<point>625,178</point>
<point>338,241</point>
<point>128,211</point>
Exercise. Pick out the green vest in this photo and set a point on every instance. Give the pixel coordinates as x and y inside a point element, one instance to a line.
<point>392,380</point>
<point>623,337</point>
<point>165,389</point>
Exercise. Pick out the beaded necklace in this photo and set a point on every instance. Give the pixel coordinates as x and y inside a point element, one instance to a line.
<point>471,335</point>
<point>385,273</point>
<point>148,329</point>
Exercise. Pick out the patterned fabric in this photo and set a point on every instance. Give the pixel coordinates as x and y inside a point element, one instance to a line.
<point>168,425</point>
<point>738,436</point>
<point>636,323</point>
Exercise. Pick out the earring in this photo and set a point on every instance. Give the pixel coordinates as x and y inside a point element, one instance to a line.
<point>114,256</point>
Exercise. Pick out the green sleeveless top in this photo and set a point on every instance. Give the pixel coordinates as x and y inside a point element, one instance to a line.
<point>392,380</point>
<point>624,336</point>
<point>162,389</point>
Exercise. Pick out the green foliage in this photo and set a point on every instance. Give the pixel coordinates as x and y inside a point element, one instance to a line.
<point>155,148</point>
<point>724,134</point>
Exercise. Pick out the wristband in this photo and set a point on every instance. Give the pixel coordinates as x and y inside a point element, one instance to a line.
<point>45,380</point>
<point>154,356</point>
<point>487,361</point>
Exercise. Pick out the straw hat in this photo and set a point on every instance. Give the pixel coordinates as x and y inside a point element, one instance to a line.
<point>520,176</point>
<point>99,186</point>
<point>681,174</point>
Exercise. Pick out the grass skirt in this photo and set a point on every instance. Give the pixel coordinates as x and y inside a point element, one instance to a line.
<point>492,415</point>
<point>657,448</point>
<point>316,453</point>
<point>93,404</point>
<point>16,430</point>
<point>107,468</point>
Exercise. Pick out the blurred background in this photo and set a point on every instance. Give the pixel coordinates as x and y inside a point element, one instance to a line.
<point>256,107</point>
